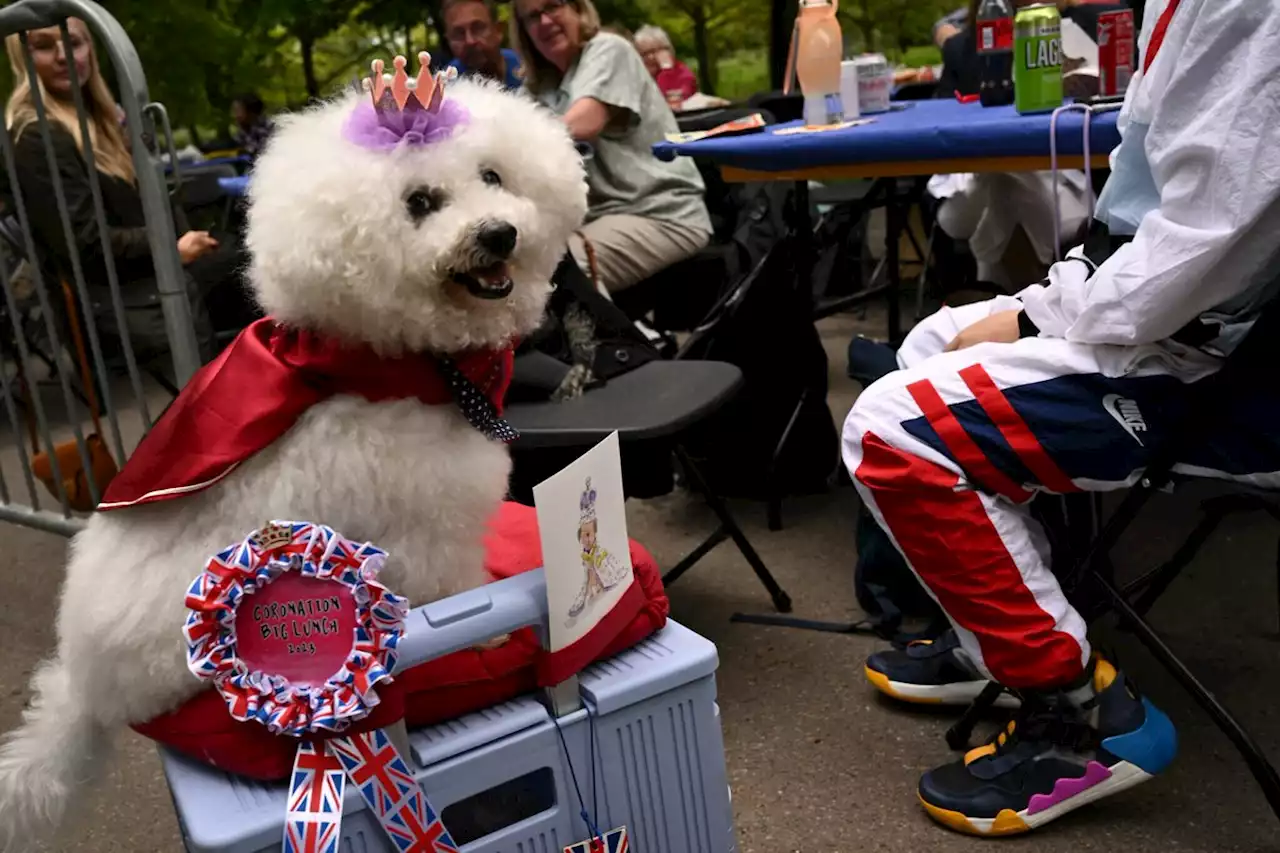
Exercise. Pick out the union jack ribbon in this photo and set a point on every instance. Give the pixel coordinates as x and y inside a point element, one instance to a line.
<point>382,777</point>
<point>313,823</point>
<point>614,841</point>
<point>387,785</point>
<point>314,818</point>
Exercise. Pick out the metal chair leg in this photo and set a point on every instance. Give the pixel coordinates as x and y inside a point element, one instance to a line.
<point>781,601</point>
<point>1259,766</point>
<point>773,488</point>
<point>674,573</point>
<point>773,511</point>
<point>922,280</point>
<point>1152,586</point>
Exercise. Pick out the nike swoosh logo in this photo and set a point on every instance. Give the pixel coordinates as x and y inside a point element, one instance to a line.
<point>1111,404</point>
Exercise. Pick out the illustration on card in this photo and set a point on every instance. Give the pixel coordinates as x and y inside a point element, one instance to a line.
<point>601,570</point>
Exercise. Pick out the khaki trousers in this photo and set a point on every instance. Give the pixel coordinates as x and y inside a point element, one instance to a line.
<point>629,249</point>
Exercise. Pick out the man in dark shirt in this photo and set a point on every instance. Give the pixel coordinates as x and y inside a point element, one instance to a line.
<point>253,128</point>
<point>476,41</point>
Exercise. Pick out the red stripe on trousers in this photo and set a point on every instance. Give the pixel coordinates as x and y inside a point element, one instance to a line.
<point>1158,34</point>
<point>952,545</point>
<point>1015,430</point>
<point>962,447</point>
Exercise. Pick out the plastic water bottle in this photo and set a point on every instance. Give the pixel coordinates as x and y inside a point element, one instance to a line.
<point>994,37</point>
<point>819,51</point>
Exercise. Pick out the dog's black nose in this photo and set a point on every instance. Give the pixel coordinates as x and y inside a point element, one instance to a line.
<point>498,238</point>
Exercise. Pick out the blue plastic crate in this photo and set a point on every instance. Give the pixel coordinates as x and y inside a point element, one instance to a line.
<point>500,776</point>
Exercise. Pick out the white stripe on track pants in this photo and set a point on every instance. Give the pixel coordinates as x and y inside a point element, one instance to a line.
<point>948,451</point>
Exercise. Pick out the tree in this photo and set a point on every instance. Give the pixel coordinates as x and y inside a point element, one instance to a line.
<point>712,28</point>
<point>891,24</point>
<point>626,13</point>
<point>308,21</point>
<point>406,26</point>
<point>183,45</point>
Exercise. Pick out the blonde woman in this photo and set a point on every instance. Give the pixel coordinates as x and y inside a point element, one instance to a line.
<point>209,264</point>
<point>644,214</point>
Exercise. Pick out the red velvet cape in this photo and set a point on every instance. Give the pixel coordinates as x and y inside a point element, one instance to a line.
<point>258,387</point>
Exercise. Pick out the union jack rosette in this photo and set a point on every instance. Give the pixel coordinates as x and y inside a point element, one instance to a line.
<point>231,580</point>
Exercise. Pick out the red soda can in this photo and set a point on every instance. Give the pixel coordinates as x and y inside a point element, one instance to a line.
<point>1115,51</point>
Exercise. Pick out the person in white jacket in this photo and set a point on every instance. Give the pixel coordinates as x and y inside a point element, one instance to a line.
<point>1068,386</point>
<point>987,209</point>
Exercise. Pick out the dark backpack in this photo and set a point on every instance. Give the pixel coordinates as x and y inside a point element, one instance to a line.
<point>886,588</point>
<point>837,242</point>
<point>764,326</point>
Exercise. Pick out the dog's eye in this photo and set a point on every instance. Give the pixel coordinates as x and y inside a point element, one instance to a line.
<point>423,202</point>
<point>491,178</point>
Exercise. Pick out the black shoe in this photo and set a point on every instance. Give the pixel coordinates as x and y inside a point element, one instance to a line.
<point>930,672</point>
<point>1063,750</point>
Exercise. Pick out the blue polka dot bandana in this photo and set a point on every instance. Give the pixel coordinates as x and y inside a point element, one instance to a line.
<point>475,404</point>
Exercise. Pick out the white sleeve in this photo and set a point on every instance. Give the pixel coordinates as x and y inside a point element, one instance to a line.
<point>1213,101</point>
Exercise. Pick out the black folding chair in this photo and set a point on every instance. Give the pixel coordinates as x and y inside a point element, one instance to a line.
<point>1090,582</point>
<point>649,406</point>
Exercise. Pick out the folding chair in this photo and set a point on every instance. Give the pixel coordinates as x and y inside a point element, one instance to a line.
<point>653,404</point>
<point>1090,582</point>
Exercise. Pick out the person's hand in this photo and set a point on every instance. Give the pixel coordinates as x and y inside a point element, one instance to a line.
<point>1001,327</point>
<point>195,244</point>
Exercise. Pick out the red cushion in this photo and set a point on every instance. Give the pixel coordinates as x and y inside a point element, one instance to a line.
<point>437,690</point>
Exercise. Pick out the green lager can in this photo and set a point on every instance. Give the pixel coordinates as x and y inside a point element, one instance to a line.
<point>1037,58</point>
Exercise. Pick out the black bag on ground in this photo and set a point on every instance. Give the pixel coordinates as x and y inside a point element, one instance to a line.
<point>764,325</point>
<point>884,584</point>
<point>837,267</point>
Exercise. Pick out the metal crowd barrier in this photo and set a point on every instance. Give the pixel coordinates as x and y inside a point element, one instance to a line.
<point>38,325</point>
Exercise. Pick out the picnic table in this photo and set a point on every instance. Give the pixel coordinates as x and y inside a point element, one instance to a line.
<point>912,141</point>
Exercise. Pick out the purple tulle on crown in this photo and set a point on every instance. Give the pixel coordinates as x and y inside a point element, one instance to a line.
<point>403,110</point>
<point>384,131</point>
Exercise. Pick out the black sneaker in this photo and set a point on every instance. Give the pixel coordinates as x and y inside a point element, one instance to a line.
<point>930,672</point>
<point>1063,750</point>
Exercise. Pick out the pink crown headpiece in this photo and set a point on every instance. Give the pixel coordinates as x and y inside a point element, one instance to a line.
<point>405,110</point>
<point>401,92</point>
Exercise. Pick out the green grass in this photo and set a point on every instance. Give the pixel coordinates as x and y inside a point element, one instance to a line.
<point>742,74</point>
<point>917,57</point>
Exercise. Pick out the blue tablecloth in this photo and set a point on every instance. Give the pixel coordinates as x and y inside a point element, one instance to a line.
<point>239,160</point>
<point>234,186</point>
<point>921,130</point>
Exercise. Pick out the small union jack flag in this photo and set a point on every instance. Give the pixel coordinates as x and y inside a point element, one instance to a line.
<point>614,841</point>
<point>348,557</point>
<point>218,587</point>
<point>314,820</point>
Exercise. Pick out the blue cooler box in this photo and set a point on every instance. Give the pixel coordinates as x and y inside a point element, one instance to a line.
<point>500,777</point>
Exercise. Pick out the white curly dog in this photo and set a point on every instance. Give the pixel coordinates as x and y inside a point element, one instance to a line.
<point>391,248</point>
